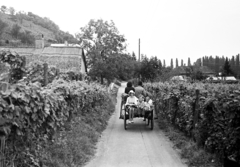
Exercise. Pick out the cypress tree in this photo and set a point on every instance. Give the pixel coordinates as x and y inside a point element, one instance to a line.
<point>172,63</point>
<point>217,65</point>
<point>134,56</point>
<point>237,65</point>
<point>232,64</point>
<point>189,62</point>
<point>176,62</point>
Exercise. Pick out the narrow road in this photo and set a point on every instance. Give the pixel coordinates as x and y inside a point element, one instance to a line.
<point>138,146</point>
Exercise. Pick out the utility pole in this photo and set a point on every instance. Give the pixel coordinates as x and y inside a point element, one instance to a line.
<point>139,50</point>
<point>139,79</point>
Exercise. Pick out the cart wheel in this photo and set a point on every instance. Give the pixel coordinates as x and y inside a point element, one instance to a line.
<point>125,120</point>
<point>152,121</point>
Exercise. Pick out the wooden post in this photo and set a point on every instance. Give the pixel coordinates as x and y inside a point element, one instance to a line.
<point>175,110</point>
<point>195,109</point>
<point>45,65</point>
<point>57,72</point>
<point>24,61</point>
<point>2,158</point>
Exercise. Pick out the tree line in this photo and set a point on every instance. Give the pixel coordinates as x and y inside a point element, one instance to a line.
<point>223,65</point>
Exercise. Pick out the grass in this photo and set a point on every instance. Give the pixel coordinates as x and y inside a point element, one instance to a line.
<point>188,149</point>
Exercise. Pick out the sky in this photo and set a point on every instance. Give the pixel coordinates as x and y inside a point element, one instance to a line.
<point>167,28</point>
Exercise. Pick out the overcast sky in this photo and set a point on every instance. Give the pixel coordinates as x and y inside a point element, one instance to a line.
<point>167,28</point>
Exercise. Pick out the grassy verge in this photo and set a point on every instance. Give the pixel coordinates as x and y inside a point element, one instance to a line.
<point>75,145</point>
<point>188,149</point>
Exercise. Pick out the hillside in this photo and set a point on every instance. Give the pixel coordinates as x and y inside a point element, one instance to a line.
<point>21,26</point>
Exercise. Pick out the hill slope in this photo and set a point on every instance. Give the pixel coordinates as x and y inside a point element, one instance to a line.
<point>34,25</point>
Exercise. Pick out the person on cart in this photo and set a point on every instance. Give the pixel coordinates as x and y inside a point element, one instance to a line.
<point>141,106</point>
<point>125,96</point>
<point>140,91</point>
<point>129,87</point>
<point>131,105</point>
<point>148,107</point>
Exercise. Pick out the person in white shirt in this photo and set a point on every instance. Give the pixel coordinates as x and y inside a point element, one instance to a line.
<point>132,102</point>
<point>148,107</point>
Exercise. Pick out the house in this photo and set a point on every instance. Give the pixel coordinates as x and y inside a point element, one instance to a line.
<point>225,79</point>
<point>178,78</point>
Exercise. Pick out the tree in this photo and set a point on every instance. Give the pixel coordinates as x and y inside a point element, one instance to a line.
<point>134,56</point>
<point>176,62</point>
<point>182,62</point>
<point>27,38</point>
<point>189,62</point>
<point>3,25</point>
<point>164,63</point>
<point>160,64</point>
<point>101,36</point>
<point>227,68</point>
<point>232,64</point>
<point>103,43</point>
<point>171,63</point>
<point>237,65</point>
<point>3,9</point>
<point>12,10</point>
<point>217,65</point>
<point>15,31</point>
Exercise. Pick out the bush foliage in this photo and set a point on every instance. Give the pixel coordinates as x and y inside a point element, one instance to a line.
<point>213,121</point>
<point>42,125</point>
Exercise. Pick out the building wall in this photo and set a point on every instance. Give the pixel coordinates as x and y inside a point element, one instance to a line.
<point>66,60</point>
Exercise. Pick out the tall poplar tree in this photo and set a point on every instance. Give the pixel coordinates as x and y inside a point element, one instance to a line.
<point>171,63</point>
<point>189,62</point>
<point>176,62</point>
<point>134,56</point>
<point>237,66</point>
<point>217,65</point>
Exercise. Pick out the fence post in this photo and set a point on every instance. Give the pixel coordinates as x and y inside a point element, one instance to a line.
<point>24,61</point>
<point>195,109</point>
<point>45,67</point>
<point>175,110</point>
<point>57,72</point>
<point>2,158</point>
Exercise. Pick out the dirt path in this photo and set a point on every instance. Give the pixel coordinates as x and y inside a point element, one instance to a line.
<point>138,146</point>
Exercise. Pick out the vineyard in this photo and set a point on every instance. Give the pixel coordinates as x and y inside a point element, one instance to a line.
<point>36,118</point>
<point>207,113</point>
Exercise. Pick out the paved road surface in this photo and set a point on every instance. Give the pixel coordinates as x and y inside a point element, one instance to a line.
<point>138,146</point>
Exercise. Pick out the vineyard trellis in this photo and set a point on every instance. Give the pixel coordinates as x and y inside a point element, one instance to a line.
<point>40,101</point>
<point>208,113</point>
